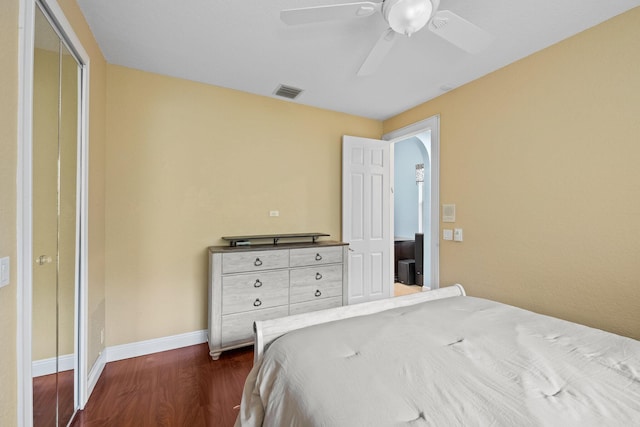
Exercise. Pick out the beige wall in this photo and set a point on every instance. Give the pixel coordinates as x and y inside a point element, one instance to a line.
<point>542,161</point>
<point>8,160</point>
<point>188,163</point>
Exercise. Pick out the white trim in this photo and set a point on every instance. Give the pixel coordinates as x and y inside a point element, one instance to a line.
<point>48,366</point>
<point>64,26</point>
<point>141,348</point>
<point>23,217</point>
<point>96,371</point>
<point>413,129</point>
<point>82,323</point>
<point>431,124</point>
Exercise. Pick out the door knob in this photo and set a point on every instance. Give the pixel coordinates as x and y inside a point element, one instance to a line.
<point>43,259</point>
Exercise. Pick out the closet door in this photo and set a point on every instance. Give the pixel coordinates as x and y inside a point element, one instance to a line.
<point>67,235</point>
<point>46,84</point>
<point>55,142</point>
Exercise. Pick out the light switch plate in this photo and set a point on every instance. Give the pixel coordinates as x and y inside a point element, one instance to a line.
<point>457,234</point>
<point>5,274</point>
<point>447,234</point>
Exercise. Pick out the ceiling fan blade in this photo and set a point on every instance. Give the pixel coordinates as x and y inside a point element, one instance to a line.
<point>460,32</point>
<point>378,53</point>
<point>308,15</point>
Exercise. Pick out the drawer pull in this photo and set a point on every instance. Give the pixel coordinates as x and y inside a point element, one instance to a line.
<point>257,284</point>
<point>257,262</point>
<point>318,257</point>
<point>257,302</point>
<point>318,293</point>
<point>318,276</point>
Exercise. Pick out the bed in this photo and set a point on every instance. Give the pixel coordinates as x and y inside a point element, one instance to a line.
<point>439,358</point>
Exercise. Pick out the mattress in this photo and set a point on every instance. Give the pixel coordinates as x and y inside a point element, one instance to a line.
<point>454,361</point>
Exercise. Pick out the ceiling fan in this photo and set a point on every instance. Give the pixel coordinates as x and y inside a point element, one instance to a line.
<point>404,17</point>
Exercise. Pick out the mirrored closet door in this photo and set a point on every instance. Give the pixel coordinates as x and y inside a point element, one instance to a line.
<point>55,226</point>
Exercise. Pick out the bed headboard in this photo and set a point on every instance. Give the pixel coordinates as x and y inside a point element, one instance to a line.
<point>265,331</point>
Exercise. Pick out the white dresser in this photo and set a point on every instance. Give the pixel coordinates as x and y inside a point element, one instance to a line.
<point>259,282</point>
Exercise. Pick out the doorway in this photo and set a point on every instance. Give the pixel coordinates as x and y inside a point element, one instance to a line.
<point>415,205</point>
<point>368,213</point>
<point>411,194</point>
<point>52,206</point>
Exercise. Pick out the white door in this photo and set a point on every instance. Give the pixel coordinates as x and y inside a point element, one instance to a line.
<point>366,217</point>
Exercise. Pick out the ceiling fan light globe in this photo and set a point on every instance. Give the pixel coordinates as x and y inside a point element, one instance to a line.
<point>407,16</point>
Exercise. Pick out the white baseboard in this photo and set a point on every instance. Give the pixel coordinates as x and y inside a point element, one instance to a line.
<point>141,348</point>
<point>48,366</point>
<point>96,371</point>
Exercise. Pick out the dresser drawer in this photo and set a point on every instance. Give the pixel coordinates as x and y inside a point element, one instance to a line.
<point>254,261</point>
<point>263,282</point>
<point>254,291</point>
<point>313,283</point>
<point>319,304</point>
<point>315,256</point>
<point>238,328</point>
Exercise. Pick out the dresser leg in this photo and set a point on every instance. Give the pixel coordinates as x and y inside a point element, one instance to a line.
<point>215,355</point>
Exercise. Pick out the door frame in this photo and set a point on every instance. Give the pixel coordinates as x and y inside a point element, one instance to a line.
<point>430,124</point>
<point>24,217</point>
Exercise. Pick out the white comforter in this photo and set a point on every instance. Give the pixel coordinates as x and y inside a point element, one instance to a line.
<point>455,361</point>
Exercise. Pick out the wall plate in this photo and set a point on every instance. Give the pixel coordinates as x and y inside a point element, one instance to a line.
<point>448,213</point>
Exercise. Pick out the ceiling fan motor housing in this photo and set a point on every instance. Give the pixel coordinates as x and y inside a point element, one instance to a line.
<point>407,16</point>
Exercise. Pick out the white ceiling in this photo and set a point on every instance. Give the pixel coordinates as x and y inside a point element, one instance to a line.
<point>243,45</point>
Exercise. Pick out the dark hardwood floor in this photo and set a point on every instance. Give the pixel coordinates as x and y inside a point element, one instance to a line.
<point>45,389</point>
<point>182,387</point>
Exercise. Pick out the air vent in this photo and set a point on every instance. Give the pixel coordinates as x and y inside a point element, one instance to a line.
<point>287,92</point>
